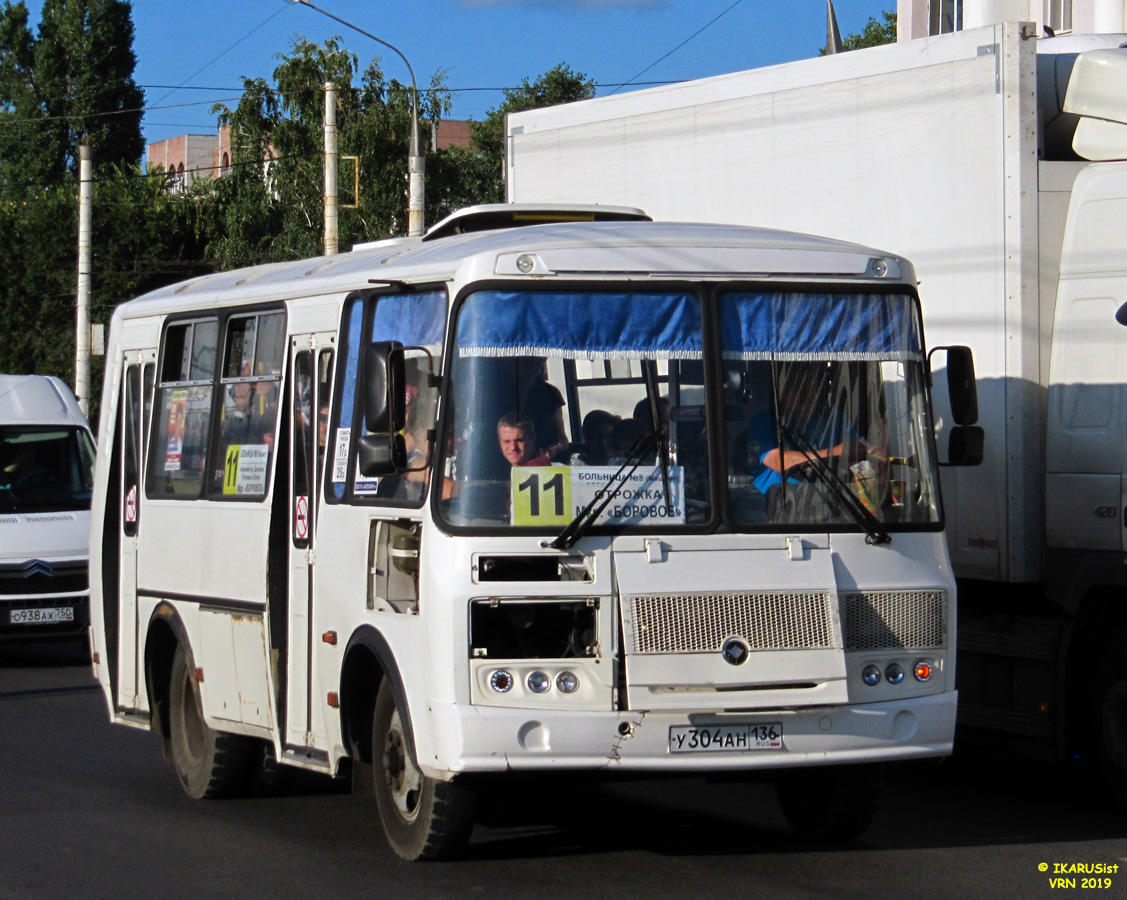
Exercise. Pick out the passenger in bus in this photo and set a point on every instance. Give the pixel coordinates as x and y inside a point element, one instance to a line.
<point>517,439</point>
<point>624,438</point>
<point>541,404</point>
<point>596,449</point>
<point>642,413</point>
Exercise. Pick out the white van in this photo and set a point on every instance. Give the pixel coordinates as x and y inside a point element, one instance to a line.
<point>46,476</point>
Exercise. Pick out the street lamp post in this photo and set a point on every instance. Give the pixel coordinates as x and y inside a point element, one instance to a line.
<point>416,165</point>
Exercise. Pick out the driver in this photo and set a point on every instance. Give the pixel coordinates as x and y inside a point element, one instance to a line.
<point>805,406</point>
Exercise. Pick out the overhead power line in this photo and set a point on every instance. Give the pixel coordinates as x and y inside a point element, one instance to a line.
<point>678,47</point>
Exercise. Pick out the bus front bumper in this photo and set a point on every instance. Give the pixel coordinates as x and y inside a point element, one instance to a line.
<point>489,739</point>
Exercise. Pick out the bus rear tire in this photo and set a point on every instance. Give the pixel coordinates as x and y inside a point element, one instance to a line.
<point>423,818</point>
<point>209,763</point>
<point>834,803</point>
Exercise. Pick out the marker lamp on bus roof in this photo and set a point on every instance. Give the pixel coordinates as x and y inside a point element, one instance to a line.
<point>567,682</point>
<point>538,682</point>
<point>525,263</point>
<point>501,681</point>
<point>894,673</point>
<point>922,670</point>
<point>870,674</point>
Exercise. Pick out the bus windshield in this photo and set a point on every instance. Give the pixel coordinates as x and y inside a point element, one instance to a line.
<point>45,469</point>
<point>597,405</point>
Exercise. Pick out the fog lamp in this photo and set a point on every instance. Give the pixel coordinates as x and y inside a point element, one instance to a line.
<point>894,673</point>
<point>870,674</point>
<point>501,681</point>
<point>923,670</point>
<point>567,682</point>
<point>538,682</point>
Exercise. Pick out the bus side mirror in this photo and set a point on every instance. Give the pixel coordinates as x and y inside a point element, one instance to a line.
<point>1121,315</point>
<point>385,402</point>
<point>961,385</point>
<point>965,446</point>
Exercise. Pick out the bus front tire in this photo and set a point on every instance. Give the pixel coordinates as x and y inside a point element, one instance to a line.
<point>423,818</point>
<point>209,763</point>
<point>834,803</point>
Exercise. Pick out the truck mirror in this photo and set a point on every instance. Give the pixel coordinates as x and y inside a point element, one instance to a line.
<point>961,386</point>
<point>381,454</point>
<point>965,446</point>
<point>384,396</point>
<point>1121,315</point>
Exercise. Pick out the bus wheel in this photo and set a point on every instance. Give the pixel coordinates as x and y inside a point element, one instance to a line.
<point>209,763</point>
<point>834,803</point>
<point>1111,719</point>
<point>423,818</point>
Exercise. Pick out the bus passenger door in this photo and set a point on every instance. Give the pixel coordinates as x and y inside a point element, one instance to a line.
<point>312,370</point>
<point>137,382</point>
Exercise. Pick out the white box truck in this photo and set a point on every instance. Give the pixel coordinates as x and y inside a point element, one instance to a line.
<point>997,162</point>
<point>46,478</point>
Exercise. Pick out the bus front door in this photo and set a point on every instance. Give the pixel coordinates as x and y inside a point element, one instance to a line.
<point>312,378</point>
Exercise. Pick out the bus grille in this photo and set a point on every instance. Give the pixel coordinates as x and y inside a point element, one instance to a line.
<point>894,620</point>
<point>68,578</point>
<point>699,623</point>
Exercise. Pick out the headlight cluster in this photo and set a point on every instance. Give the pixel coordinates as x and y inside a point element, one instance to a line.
<point>538,681</point>
<point>894,672</point>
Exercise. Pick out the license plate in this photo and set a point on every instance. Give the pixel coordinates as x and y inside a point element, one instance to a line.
<point>730,738</point>
<point>41,616</point>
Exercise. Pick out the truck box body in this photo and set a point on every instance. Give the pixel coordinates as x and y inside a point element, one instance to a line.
<point>927,148</point>
<point>997,163</point>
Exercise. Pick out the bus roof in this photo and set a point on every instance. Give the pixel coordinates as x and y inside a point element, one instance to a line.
<point>630,250</point>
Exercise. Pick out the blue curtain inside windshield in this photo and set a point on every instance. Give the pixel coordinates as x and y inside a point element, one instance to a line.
<point>411,319</point>
<point>819,326</point>
<point>616,326</point>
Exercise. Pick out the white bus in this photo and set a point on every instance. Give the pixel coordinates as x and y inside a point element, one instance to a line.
<point>541,490</point>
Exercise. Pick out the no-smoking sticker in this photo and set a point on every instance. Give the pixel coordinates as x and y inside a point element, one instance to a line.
<point>131,505</point>
<point>301,518</point>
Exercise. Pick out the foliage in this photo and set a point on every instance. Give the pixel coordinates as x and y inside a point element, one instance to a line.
<point>268,211</point>
<point>74,78</point>
<point>873,34</point>
<point>485,171</point>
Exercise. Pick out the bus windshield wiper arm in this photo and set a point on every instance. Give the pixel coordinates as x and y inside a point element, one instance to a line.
<point>659,435</point>
<point>586,517</point>
<point>876,533</point>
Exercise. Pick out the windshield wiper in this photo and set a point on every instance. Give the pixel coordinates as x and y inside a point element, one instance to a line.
<point>586,517</point>
<point>876,533</point>
<point>650,370</point>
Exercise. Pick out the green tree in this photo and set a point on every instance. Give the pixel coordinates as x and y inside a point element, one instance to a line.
<point>481,178</point>
<point>271,207</point>
<point>873,34</point>
<point>74,78</point>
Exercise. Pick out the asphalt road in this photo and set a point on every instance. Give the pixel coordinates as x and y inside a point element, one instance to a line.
<point>91,810</point>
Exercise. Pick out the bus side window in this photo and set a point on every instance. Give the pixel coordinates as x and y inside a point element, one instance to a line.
<point>248,409</point>
<point>130,445</point>
<point>183,403</point>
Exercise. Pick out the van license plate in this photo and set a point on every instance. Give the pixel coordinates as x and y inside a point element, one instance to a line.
<point>731,738</point>
<point>41,616</point>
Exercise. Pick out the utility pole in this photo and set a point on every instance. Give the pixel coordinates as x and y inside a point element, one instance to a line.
<point>82,312</point>
<point>416,164</point>
<point>332,198</point>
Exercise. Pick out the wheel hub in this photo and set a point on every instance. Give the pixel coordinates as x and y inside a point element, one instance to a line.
<point>404,780</point>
